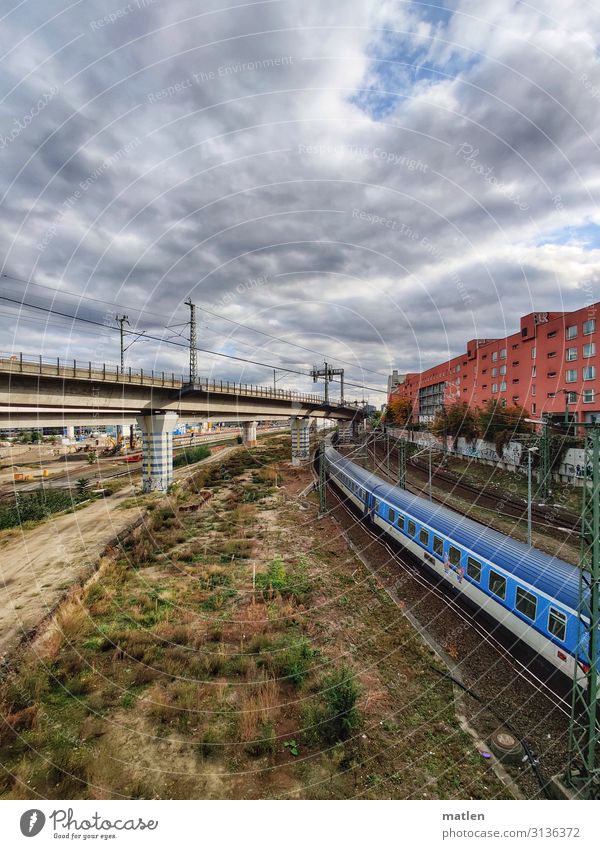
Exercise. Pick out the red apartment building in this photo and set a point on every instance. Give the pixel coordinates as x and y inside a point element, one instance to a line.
<point>549,366</point>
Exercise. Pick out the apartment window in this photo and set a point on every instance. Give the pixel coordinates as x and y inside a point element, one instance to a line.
<point>494,387</point>
<point>503,402</point>
<point>589,326</point>
<point>589,373</point>
<point>589,396</point>
<point>515,363</point>
<point>494,356</point>
<point>524,332</point>
<point>474,569</point>
<point>457,369</point>
<point>571,397</point>
<point>551,335</point>
<point>494,372</point>
<point>526,603</point>
<point>557,623</point>
<point>515,380</point>
<point>503,386</point>
<point>502,369</point>
<point>515,347</point>
<point>533,353</point>
<point>484,371</point>
<point>551,354</point>
<point>571,376</point>
<point>533,408</point>
<point>497,584</point>
<point>551,395</point>
<point>533,371</point>
<point>533,389</point>
<point>571,354</point>
<point>572,332</point>
<point>551,374</point>
<point>503,354</point>
<point>589,349</point>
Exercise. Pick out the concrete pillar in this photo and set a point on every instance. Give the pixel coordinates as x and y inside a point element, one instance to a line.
<point>70,431</point>
<point>157,445</point>
<point>345,432</point>
<point>119,434</point>
<point>249,434</point>
<point>300,440</point>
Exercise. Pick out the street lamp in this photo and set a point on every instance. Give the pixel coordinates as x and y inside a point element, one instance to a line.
<point>530,451</point>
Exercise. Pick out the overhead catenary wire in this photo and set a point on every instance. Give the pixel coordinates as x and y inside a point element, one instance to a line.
<point>163,341</point>
<point>202,309</point>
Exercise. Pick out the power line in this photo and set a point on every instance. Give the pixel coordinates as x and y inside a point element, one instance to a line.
<point>203,309</point>
<point>162,341</point>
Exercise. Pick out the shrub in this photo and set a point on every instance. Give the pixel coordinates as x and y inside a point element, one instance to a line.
<point>276,578</point>
<point>190,455</point>
<point>289,662</point>
<point>334,717</point>
<point>265,742</point>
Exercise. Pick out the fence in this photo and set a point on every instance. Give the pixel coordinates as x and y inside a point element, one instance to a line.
<point>72,369</point>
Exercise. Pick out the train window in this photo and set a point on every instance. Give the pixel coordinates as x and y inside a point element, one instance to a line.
<point>424,537</point>
<point>526,603</point>
<point>454,556</point>
<point>474,569</point>
<point>497,584</point>
<point>391,515</point>
<point>438,546</point>
<point>557,623</point>
<point>400,521</point>
<point>377,505</point>
<point>412,528</point>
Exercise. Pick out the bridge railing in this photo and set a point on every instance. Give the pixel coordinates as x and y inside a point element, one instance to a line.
<point>73,369</point>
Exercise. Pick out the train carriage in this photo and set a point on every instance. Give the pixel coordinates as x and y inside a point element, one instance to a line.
<point>529,592</point>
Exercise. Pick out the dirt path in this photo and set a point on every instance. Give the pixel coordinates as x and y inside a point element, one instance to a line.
<point>38,565</point>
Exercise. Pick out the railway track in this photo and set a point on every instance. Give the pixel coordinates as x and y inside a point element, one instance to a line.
<point>507,676</point>
<point>551,519</point>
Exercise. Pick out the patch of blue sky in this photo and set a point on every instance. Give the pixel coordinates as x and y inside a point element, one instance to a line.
<point>587,235</point>
<point>399,63</point>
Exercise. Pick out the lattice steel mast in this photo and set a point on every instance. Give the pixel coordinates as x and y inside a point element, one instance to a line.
<point>583,768</point>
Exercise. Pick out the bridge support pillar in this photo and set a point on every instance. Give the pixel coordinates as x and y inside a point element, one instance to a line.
<point>300,440</point>
<point>345,432</point>
<point>249,434</point>
<point>157,445</point>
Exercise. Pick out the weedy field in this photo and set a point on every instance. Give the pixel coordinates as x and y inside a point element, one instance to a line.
<point>233,647</point>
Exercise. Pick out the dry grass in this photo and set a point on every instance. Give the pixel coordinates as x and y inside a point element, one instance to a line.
<point>259,704</point>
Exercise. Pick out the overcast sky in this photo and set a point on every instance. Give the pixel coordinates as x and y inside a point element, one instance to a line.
<point>376,181</point>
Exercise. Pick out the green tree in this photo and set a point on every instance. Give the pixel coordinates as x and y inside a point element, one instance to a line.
<point>81,485</point>
<point>455,420</point>
<point>399,411</point>
<point>500,424</point>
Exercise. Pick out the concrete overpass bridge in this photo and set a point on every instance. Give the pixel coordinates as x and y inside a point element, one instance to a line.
<point>43,392</point>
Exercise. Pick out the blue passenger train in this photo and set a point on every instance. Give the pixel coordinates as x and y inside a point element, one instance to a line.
<point>533,595</point>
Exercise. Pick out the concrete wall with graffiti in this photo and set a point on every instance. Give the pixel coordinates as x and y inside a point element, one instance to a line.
<point>514,456</point>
